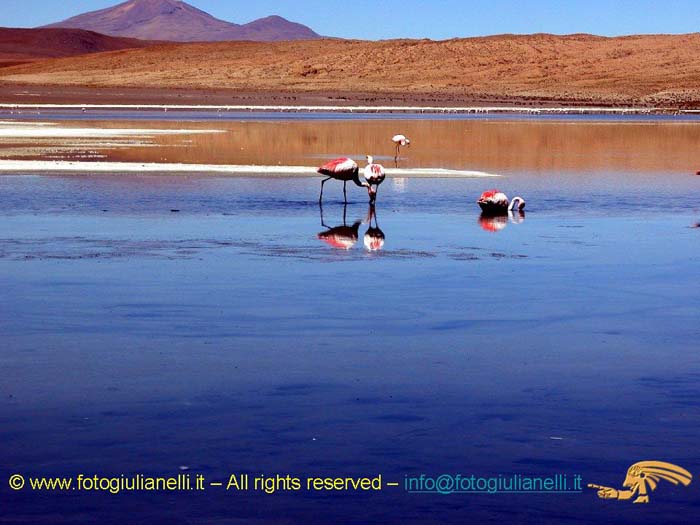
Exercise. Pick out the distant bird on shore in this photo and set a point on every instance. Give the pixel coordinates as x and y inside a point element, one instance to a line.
<point>343,169</point>
<point>374,175</point>
<point>495,202</point>
<point>400,140</point>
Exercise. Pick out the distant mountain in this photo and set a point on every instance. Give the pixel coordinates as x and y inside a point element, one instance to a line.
<point>178,21</point>
<point>18,46</point>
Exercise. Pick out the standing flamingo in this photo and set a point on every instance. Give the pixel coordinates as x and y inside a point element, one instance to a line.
<point>344,169</point>
<point>374,175</point>
<point>400,140</point>
<point>495,202</point>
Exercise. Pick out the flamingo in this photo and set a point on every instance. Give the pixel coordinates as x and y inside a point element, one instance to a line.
<point>495,202</point>
<point>400,140</point>
<point>344,169</point>
<point>374,175</point>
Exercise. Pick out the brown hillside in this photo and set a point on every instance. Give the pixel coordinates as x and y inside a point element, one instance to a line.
<point>26,45</point>
<point>651,69</point>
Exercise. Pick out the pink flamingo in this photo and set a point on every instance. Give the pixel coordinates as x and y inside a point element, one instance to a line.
<point>344,169</point>
<point>374,175</point>
<point>400,140</point>
<point>495,202</point>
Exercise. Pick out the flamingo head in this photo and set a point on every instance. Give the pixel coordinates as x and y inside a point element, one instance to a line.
<point>370,159</point>
<point>406,142</point>
<point>372,192</point>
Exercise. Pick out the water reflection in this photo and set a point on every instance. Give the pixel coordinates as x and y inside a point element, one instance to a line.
<point>495,223</point>
<point>374,236</point>
<point>399,184</point>
<point>344,237</point>
<point>492,145</point>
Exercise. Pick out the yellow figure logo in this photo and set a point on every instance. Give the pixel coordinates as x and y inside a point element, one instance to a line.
<point>642,475</point>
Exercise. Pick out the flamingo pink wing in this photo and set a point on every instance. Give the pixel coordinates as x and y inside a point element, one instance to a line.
<point>494,197</point>
<point>336,166</point>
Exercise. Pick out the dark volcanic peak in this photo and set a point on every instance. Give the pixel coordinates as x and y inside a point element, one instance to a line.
<point>178,21</point>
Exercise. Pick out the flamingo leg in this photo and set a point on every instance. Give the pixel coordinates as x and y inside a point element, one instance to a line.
<point>320,197</point>
<point>345,190</point>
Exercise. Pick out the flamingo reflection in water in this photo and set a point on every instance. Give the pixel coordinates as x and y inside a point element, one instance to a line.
<point>344,237</point>
<point>374,236</point>
<point>495,223</point>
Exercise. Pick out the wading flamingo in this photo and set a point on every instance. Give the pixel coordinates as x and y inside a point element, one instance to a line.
<point>400,140</point>
<point>344,169</point>
<point>495,202</point>
<point>374,175</point>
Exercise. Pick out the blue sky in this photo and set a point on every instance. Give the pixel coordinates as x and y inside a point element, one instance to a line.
<point>437,19</point>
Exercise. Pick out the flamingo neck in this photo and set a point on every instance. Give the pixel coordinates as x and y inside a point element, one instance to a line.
<point>517,203</point>
<point>360,183</point>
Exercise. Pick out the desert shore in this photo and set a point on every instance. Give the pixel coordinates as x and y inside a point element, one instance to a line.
<point>648,71</point>
<point>11,93</point>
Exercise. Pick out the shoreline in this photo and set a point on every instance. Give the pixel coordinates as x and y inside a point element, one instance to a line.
<point>61,166</point>
<point>293,108</point>
<point>27,96</point>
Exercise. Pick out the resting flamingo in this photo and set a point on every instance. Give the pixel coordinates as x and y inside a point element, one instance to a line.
<point>374,175</point>
<point>495,202</point>
<point>400,140</point>
<point>344,169</point>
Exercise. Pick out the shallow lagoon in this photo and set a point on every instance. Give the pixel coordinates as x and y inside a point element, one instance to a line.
<point>227,337</point>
